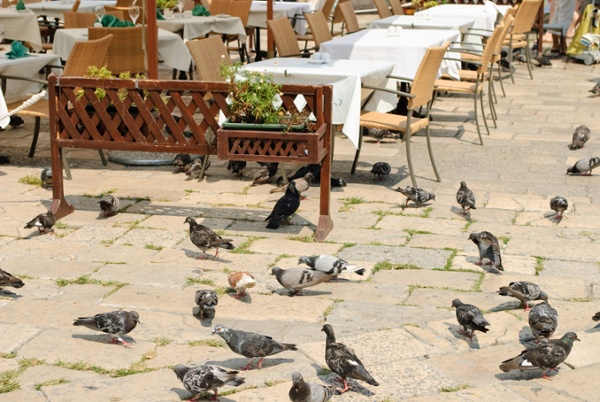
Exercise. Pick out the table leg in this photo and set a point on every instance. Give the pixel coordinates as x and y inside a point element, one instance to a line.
<point>258,56</point>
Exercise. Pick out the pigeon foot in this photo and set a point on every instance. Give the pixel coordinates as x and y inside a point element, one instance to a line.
<point>346,387</point>
<point>465,333</point>
<point>260,363</point>
<point>247,366</point>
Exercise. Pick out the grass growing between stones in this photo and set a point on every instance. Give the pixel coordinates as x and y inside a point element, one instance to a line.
<point>456,388</point>
<point>324,371</point>
<point>213,343</point>
<point>8,355</point>
<point>8,381</point>
<point>199,281</point>
<point>348,203</point>
<point>580,299</point>
<point>279,258</point>
<point>26,363</point>
<point>86,280</point>
<point>330,308</point>
<point>136,368</point>
<point>539,264</point>
<point>244,248</point>
<point>162,341</point>
<point>412,232</point>
<point>450,259</point>
<point>38,386</point>
<point>309,238</point>
<point>155,247</point>
<point>468,224</point>
<point>504,239</point>
<point>31,180</point>
<point>388,266</point>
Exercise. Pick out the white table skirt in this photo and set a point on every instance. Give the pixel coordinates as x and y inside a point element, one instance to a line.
<point>344,75</point>
<point>171,48</point>
<point>27,67</point>
<point>406,50</point>
<point>21,26</point>
<point>258,14</point>
<point>56,9</point>
<point>196,27</point>
<point>461,24</point>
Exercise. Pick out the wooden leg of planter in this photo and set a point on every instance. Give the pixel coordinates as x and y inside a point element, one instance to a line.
<point>60,207</point>
<point>325,224</point>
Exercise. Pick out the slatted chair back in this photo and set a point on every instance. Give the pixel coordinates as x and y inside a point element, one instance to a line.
<point>349,16</point>
<point>383,9</point>
<point>397,8</point>
<point>318,27</point>
<point>76,6</point>
<point>126,52</point>
<point>124,3</point>
<point>234,8</point>
<point>422,87</point>
<point>78,20</point>
<point>208,54</point>
<point>525,16</point>
<point>284,36</point>
<point>85,54</point>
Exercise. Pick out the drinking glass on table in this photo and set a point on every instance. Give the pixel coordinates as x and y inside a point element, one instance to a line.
<point>180,7</point>
<point>100,11</point>
<point>134,13</point>
<point>1,33</point>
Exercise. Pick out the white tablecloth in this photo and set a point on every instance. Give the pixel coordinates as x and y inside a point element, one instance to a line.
<point>344,75</point>
<point>195,27</point>
<point>56,9</point>
<point>171,48</point>
<point>28,67</point>
<point>406,50</point>
<point>21,26</point>
<point>258,14</point>
<point>461,24</point>
<point>484,15</point>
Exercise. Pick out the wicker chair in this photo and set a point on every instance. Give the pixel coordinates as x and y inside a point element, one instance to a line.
<point>285,38</point>
<point>421,94</point>
<point>123,12</point>
<point>79,20</point>
<point>519,34</point>
<point>383,9</point>
<point>124,3</point>
<point>126,52</point>
<point>318,27</point>
<point>235,8</point>
<point>208,54</point>
<point>397,8</point>
<point>349,16</point>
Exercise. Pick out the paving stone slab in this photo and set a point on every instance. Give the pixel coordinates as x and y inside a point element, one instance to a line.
<point>492,392</point>
<point>579,269</point>
<point>52,268</point>
<point>14,336</point>
<point>152,238</point>
<point>40,246</point>
<point>95,235</point>
<point>38,289</point>
<point>556,288</point>
<point>45,373</point>
<point>443,298</point>
<point>273,246</point>
<point>439,226</point>
<point>138,297</point>
<point>435,241</point>
<point>29,395</point>
<point>117,252</point>
<point>400,255</point>
<point>155,275</point>
<point>85,295</point>
<point>428,278</point>
<point>257,228</point>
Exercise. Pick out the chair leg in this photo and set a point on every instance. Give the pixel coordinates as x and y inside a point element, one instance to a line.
<point>509,58</point>
<point>102,157</point>
<point>487,129</point>
<point>360,141</point>
<point>36,134</point>
<point>476,119</point>
<point>528,57</point>
<point>203,168</point>
<point>408,154</point>
<point>491,95</point>
<point>283,173</point>
<point>500,79</point>
<point>437,175</point>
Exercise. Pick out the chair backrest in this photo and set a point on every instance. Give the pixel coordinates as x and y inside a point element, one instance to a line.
<point>507,23</point>
<point>122,13</point>
<point>397,8</point>
<point>318,27</point>
<point>525,16</point>
<point>349,16</point>
<point>284,36</point>
<point>188,5</point>
<point>235,8</point>
<point>125,52</point>
<point>491,46</point>
<point>85,54</point>
<point>124,3</point>
<point>79,20</point>
<point>75,6</point>
<point>382,8</point>
<point>206,4</point>
<point>422,87</point>
<point>327,8</point>
<point>209,54</point>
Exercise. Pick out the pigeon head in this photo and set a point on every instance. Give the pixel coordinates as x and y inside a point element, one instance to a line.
<point>456,303</point>
<point>473,236</point>
<point>328,329</point>
<point>296,377</point>
<point>190,220</point>
<point>305,259</point>
<point>543,296</point>
<point>180,370</point>
<point>432,196</point>
<point>222,331</point>
<point>135,316</point>
<point>275,270</point>
<point>569,337</point>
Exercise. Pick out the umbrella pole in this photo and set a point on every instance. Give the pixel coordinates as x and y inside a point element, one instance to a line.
<point>152,39</point>
<point>270,43</point>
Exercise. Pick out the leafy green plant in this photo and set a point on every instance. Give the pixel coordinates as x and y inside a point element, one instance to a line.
<point>166,4</point>
<point>103,72</point>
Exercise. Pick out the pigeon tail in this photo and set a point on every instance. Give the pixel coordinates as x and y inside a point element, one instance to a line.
<point>596,317</point>
<point>236,381</point>
<point>516,363</point>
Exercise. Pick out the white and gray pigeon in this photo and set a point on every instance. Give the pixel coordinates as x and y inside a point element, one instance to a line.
<point>46,177</point>
<point>329,264</point>
<point>297,278</point>
<point>115,323</point>
<point>524,291</point>
<point>206,304</point>
<point>303,391</point>
<point>250,344</point>
<point>584,166</point>
<point>416,194</point>
<point>559,205</point>
<point>465,198</point>
<point>489,249</point>
<point>109,205</point>
<point>580,137</point>
<point>206,378</point>
<point>543,320</point>
<point>43,222</point>
<point>470,317</point>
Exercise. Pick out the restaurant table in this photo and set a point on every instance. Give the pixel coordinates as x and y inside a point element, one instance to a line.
<point>195,27</point>
<point>171,48</point>
<point>405,49</point>
<point>346,78</point>
<point>258,14</point>
<point>26,67</point>
<point>23,26</point>
<point>418,21</point>
<point>56,9</point>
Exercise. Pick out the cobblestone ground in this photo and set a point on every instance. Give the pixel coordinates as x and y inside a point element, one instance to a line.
<point>397,316</point>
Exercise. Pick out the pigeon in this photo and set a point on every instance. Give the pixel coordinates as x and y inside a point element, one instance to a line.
<point>206,301</point>
<point>329,264</point>
<point>109,205</point>
<point>205,238</point>
<point>584,166</point>
<point>596,317</point>
<point>470,317</point>
<point>543,320</point>
<point>465,198</point>
<point>298,278</point>
<point>303,391</point>
<point>416,195</point>
<point>195,167</point>
<point>115,323</point>
<point>546,355</point>
<point>265,173</point>
<point>284,208</point>
<point>343,361</point>
<point>6,279</point>
<point>596,89</point>
<point>43,222</point>
<point>182,162</point>
<point>302,185</point>
<point>378,133</point>
<point>236,167</point>
<point>46,177</point>
<point>580,137</point>
<point>205,378</point>
<point>524,291</point>
<point>241,281</point>
<point>489,249</point>
<point>381,169</point>
<point>250,344</point>
<point>315,169</point>
<point>559,205</point>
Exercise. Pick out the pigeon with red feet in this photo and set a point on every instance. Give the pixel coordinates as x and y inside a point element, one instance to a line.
<point>470,317</point>
<point>489,249</point>
<point>525,291</point>
<point>115,323</point>
<point>543,320</point>
<point>206,378</point>
<point>205,238</point>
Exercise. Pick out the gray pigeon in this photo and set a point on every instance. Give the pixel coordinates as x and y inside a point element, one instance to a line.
<point>46,177</point>
<point>303,391</point>
<point>580,137</point>
<point>489,249</point>
<point>584,166</point>
<point>195,167</point>
<point>115,323</point>
<point>596,89</point>
<point>302,185</point>
<point>596,316</point>
<point>559,205</point>
<point>204,238</point>
<point>206,301</point>
<point>182,162</point>
<point>298,278</point>
<point>465,198</point>
<point>109,205</point>
<point>250,344</point>
<point>43,222</point>
<point>470,317</point>
<point>7,279</point>
<point>379,134</point>
<point>525,291</point>
<point>206,378</point>
<point>543,320</point>
<point>546,355</point>
<point>416,194</point>
<point>381,169</point>
<point>329,264</point>
<point>265,173</point>
<point>343,361</point>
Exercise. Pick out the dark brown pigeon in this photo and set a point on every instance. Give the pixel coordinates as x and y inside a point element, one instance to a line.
<point>525,291</point>
<point>465,198</point>
<point>543,320</point>
<point>303,391</point>
<point>489,249</point>
<point>205,238</point>
<point>470,317</point>
<point>115,323</point>
<point>7,279</point>
<point>43,222</point>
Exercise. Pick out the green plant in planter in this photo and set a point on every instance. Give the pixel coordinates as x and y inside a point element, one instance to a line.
<point>103,72</point>
<point>166,4</point>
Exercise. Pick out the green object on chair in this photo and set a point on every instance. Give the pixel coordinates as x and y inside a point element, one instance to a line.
<point>110,21</point>
<point>17,50</point>
<point>20,5</point>
<point>200,11</point>
<point>159,15</point>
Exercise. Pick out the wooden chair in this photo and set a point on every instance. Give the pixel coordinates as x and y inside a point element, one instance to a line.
<point>285,38</point>
<point>421,94</point>
<point>519,34</point>
<point>349,16</point>
<point>397,8</point>
<point>318,27</point>
<point>75,6</point>
<point>235,8</point>
<point>126,51</point>
<point>208,54</point>
<point>383,9</point>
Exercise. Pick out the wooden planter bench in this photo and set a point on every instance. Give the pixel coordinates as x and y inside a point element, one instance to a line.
<point>143,120</point>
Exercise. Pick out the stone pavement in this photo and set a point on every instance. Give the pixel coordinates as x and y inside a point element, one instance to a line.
<point>397,316</point>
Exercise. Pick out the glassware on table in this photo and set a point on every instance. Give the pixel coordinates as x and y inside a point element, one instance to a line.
<point>1,33</point>
<point>100,12</point>
<point>134,13</point>
<point>180,7</point>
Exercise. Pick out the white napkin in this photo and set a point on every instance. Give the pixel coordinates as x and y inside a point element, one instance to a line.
<point>3,111</point>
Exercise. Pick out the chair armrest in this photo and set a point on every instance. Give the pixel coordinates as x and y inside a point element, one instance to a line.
<point>4,77</point>
<point>392,91</point>
<point>399,78</point>
<point>476,63</point>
